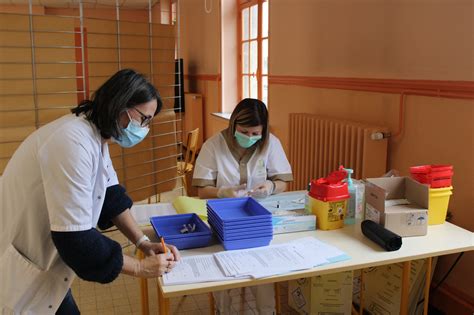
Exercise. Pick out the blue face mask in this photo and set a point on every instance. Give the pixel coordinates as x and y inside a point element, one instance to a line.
<point>246,141</point>
<point>132,135</point>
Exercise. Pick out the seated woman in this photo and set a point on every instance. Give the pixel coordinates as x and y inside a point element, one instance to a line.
<point>243,160</point>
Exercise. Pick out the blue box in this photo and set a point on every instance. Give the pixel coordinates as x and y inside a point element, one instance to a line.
<point>169,227</point>
<point>240,235</point>
<point>240,222</point>
<point>243,234</point>
<point>237,223</point>
<point>245,243</point>
<point>239,226</point>
<point>238,210</point>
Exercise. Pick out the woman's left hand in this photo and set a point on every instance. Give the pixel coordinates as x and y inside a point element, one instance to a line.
<point>263,190</point>
<point>151,248</point>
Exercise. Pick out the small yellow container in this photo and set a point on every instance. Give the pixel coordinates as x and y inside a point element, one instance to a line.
<point>438,205</point>
<point>330,214</point>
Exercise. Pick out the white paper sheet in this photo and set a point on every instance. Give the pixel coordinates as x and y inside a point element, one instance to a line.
<point>195,269</point>
<point>263,260</point>
<point>258,262</point>
<point>317,251</point>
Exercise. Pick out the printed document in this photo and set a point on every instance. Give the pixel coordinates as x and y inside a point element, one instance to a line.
<point>194,269</point>
<point>257,262</point>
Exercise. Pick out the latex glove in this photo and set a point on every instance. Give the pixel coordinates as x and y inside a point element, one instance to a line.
<point>151,248</point>
<point>154,266</point>
<point>263,190</point>
<point>232,192</point>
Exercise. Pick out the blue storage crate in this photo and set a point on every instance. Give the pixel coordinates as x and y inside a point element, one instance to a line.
<point>266,230</point>
<point>196,242</point>
<point>169,227</point>
<point>224,233</point>
<point>239,225</point>
<point>239,237</point>
<point>245,243</point>
<point>247,220</point>
<point>238,210</point>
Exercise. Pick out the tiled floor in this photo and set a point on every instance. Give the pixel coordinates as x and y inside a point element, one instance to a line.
<point>122,296</point>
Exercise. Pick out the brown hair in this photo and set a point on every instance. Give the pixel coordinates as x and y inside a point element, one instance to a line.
<point>250,112</point>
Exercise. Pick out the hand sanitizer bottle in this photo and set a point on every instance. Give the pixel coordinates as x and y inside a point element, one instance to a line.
<point>351,203</point>
<point>306,200</point>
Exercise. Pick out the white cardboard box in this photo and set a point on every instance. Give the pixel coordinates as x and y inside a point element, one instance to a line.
<point>293,223</point>
<point>403,219</point>
<point>326,294</point>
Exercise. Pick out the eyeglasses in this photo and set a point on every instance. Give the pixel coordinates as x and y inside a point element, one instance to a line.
<point>146,119</point>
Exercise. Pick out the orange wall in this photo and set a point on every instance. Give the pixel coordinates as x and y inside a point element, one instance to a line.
<point>229,53</point>
<point>374,39</point>
<point>200,49</point>
<point>392,40</point>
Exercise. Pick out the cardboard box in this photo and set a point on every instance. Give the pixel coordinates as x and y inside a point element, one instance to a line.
<point>384,204</point>
<point>382,288</point>
<point>378,277</point>
<point>326,294</point>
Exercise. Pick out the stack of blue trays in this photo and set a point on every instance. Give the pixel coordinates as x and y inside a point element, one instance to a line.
<point>169,227</point>
<point>240,222</point>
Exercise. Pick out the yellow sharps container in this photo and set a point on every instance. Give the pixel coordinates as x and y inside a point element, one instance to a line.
<point>328,200</point>
<point>438,204</point>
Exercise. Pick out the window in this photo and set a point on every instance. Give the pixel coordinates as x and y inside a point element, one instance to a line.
<point>253,54</point>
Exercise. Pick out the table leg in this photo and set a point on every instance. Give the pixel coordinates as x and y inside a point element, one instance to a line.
<point>361,296</point>
<point>164,303</point>
<point>212,306</point>
<point>427,285</point>
<point>405,288</point>
<point>277,298</point>
<point>143,289</point>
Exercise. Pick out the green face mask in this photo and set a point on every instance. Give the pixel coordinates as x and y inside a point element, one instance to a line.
<point>246,141</point>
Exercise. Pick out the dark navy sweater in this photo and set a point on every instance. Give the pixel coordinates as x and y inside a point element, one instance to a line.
<point>93,256</point>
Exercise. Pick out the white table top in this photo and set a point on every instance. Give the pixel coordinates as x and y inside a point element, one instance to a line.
<point>441,240</point>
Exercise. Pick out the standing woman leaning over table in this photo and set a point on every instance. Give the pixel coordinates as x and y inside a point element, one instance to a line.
<point>243,160</point>
<point>58,186</point>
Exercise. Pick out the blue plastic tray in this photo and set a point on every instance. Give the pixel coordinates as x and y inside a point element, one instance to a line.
<point>224,231</point>
<point>238,209</point>
<point>240,220</point>
<point>187,243</point>
<point>238,225</point>
<point>242,234</point>
<point>169,228</point>
<point>245,234</point>
<point>241,237</point>
<point>245,243</point>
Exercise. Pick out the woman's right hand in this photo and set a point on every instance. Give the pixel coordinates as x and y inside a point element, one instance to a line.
<point>155,265</point>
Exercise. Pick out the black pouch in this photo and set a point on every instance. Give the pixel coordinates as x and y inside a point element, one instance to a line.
<point>380,235</point>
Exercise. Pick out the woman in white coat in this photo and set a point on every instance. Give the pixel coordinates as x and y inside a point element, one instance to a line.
<point>243,160</point>
<point>58,186</point>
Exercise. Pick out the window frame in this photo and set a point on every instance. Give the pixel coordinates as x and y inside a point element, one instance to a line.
<point>242,5</point>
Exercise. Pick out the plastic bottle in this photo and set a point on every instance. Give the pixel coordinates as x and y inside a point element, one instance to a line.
<point>351,204</point>
<point>360,199</point>
<point>306,200</point>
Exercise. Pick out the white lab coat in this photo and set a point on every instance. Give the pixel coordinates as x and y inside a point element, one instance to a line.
<point>55,181</point>
<point>218,164</point>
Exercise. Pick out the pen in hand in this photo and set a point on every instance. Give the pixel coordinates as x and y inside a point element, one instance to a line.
<point>165,249</point>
